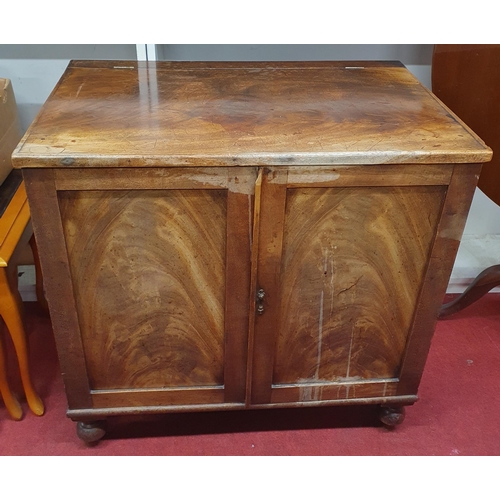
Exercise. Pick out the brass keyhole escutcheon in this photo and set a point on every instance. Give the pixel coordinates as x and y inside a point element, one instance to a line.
<point>260,299</point>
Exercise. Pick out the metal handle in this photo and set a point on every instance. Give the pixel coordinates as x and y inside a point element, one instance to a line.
<point>260,299</point>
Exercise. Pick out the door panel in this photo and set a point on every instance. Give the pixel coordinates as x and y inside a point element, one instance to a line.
<point>151,270</point>
<point>150,293</point>
<point>352,262</point>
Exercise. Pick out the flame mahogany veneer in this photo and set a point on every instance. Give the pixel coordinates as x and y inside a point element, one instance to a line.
<point>244,235</point>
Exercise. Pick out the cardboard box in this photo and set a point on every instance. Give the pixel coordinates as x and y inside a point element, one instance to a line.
<point>10,128</point>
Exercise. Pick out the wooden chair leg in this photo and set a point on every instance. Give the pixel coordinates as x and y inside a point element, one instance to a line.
<point>40,294</point>
<point>10,309</point>
<point>11,403</point>
<point>487,280</point>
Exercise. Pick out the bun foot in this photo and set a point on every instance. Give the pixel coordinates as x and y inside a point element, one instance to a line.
<point>391,415</point>
<point>91,432</point>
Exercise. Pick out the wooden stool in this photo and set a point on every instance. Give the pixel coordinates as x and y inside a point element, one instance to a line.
<point>15,233</point>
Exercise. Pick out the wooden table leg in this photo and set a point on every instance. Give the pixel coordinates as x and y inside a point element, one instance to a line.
<point>10,309</point>
<point>487,280</point>
<point>11,403</point>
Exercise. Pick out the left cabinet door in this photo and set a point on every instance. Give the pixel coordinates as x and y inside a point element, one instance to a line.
<point>147,276</point>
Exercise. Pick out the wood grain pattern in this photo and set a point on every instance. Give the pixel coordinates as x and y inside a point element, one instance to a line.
<point>148,272</point>
<point>263,113</point>
<point>440,264</point>
<point>334,391</point>
<point>160,236</point>
<point>372,175</point>
<point>79,179</point>
<point>159,397</point>
<point>353,264</point>
<point>270,245</point>
<point>48,230</point>
<point>465,77</point>
<point>240,203</point>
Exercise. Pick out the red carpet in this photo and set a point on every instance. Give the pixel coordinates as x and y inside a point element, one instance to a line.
<point>458,412</point>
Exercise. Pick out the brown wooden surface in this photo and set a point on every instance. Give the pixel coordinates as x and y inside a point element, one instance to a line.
<point>351,271</point>
<point>160,293</point>
<point>466,78</point>
<point>240,201</point>
<point>272,219</point>
<point>154,265</point>
<point>482,284</point>
<point>263,113</point>
<point>254,266</point>
<point>150,293</point>
<point>343,283</point>
<point>440,264</point>
<point>49,234</point>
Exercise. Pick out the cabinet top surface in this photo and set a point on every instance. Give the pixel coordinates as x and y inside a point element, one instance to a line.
<point>126,113</point>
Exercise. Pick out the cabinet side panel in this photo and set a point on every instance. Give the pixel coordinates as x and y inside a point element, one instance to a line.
<point>48,230</point>
<point>446,244</point>
<point>149,279</point>
<point>353,264</point>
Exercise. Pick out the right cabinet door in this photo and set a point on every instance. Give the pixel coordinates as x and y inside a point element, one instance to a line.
<point>342,256</point>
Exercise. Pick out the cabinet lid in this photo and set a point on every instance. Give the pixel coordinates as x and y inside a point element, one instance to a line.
<point>128,113</point>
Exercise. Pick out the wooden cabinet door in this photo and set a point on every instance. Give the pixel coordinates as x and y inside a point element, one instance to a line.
<point>158,272</point>
<point>342,258</point>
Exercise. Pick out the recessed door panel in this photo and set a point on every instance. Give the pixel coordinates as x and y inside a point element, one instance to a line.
<point>160,274</point>
<point>352,264</point>
<point>148,270</point>
<point>341,269</point>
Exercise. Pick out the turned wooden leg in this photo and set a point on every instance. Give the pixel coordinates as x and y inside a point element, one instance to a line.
<point>10,310</point>
<point>11,403</point>
<point>91,431</point>
<point>487,280</point>
<point>40,294</point>
<point>391,415</point>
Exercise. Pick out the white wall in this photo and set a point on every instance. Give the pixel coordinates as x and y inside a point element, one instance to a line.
<point>35,69</point>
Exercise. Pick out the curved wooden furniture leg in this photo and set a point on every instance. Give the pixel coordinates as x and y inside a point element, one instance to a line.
<point>40,294</point>
<point>91,431</point>
<point>488,279</point>
<point>11,403</point>
<point>10,309</point>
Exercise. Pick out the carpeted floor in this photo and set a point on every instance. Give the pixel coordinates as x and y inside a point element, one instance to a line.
<point>458,412</point>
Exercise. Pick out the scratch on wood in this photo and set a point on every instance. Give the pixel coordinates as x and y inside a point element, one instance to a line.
<point>349,287</point>
<point>79,89</point>
<point>350,351</point>
<point>320,334</point>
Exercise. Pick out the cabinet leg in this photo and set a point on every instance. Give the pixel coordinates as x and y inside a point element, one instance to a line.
<point>391,415</point>
<point>91,431</point>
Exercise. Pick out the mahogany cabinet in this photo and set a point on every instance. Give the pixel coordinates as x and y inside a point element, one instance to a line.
<point>244,235</point>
